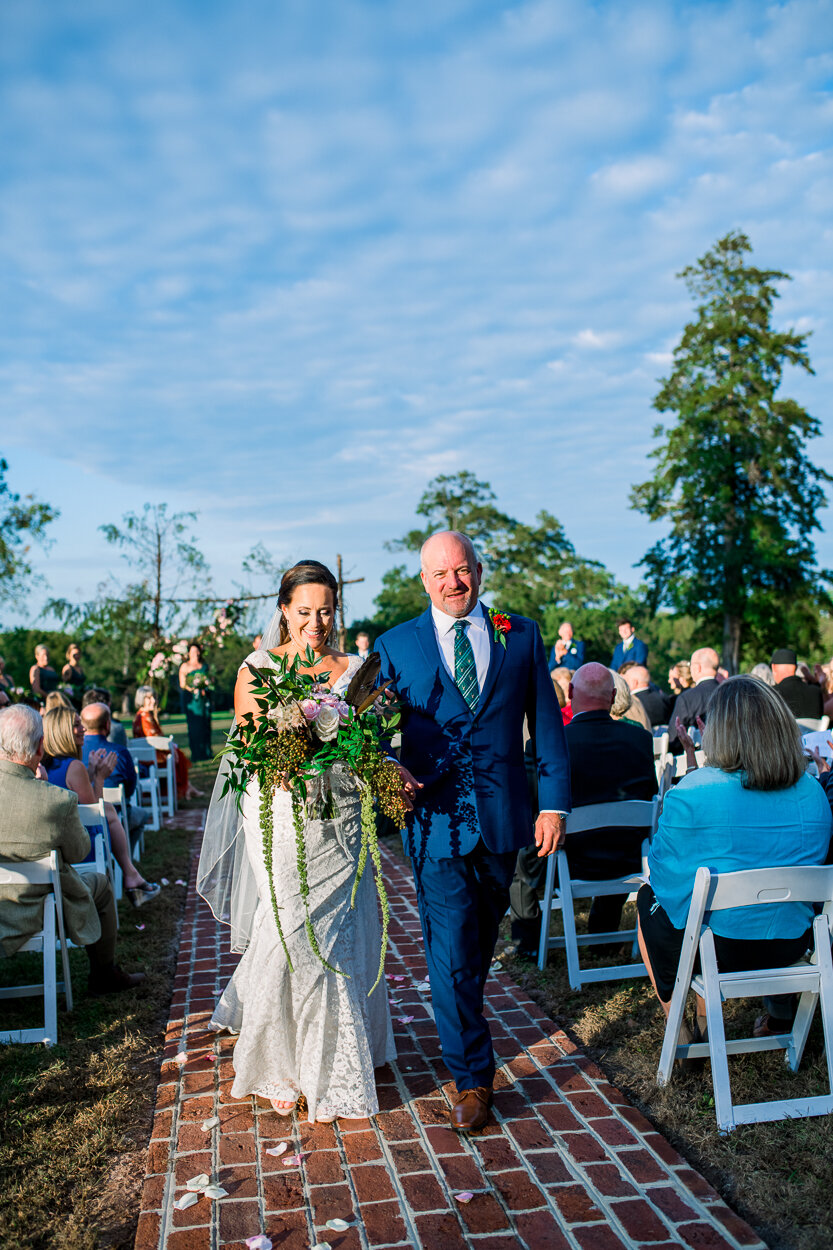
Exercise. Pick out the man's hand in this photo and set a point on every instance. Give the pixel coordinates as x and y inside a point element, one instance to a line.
<point>550,833</point>
<point>410,788</point>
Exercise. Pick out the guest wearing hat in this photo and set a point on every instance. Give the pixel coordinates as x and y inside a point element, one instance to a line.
<point>801,698</point>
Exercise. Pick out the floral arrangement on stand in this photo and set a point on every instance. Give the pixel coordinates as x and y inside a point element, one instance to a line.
<point>301,733</point>
<point>171,652</point>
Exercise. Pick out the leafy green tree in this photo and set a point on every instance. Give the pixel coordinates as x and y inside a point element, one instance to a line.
<point>732,479</point>
<point>159,547</point>
<point>458,501</point>
<point>22,523</point>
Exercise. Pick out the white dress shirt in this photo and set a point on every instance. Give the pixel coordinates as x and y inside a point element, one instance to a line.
<point>477,634</point>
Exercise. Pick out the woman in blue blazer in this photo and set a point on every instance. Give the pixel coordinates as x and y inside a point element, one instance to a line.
<point>753,806</point>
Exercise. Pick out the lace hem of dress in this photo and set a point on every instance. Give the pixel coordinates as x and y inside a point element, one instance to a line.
<point>334,1109</point>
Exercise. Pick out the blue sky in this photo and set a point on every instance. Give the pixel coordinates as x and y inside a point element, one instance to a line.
<point>282,263</point>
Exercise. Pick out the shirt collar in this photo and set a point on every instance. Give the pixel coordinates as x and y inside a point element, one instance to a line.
<point>443,623</point>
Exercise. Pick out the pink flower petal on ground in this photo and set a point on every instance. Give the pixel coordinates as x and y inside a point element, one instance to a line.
<point>181,1058</point>
<point>259,1243</point>
<point>405,1019</point>
<point>210,1058</point>
<point>179,881</point>
<point>294,1161</point>
<point>164,881</point>
<point>277,1150</point>
<point>388,976</point>
<point>465,1196</point>
<point>399,978</point>
<point>140,927</point>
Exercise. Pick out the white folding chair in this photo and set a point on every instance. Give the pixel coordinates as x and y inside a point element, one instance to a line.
<point>46,872</point>
<point>660,750</point>
<point>626,814</point>
<point>147,787</point>
<point>117,795</point>
<point>94,819</point>
<point>811,722</point>
<point>681,764</point>
<point>811,977</point>
<point>168,772</point>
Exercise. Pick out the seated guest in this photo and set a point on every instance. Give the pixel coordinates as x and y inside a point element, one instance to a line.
<point>5,701</point>
<point>630,647</point>
<point>57,698</point>
<point>72,674</point>
<point>763,672</point>
<point>679,677</point>
<point>694,702</point>
<point>752,807</point>
<point>42,676</point>
<point>568,651</point>
<point>95,718</point>
<point>36,819</point>
<point>146,725</point>
<point>801,697</point>
<point>625,707</point>
<point>655,703</point>
<point>97,694</point>
<point>561,678</point>
<point>609,761</point>
<point>63,741</point>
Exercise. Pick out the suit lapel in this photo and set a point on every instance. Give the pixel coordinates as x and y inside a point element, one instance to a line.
<point>497,654</point>
<point>431,651</point>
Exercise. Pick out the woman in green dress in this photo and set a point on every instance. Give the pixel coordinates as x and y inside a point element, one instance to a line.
<point>195,697</point>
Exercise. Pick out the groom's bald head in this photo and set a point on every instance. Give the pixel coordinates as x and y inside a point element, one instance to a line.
<point>592,689</point>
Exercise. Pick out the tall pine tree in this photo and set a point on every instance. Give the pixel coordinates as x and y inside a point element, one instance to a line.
<point>732,479</point>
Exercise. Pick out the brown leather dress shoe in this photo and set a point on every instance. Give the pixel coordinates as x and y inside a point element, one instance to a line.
<point>471,1110</point>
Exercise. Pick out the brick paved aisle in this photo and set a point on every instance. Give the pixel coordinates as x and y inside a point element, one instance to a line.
<point>567,1163</point>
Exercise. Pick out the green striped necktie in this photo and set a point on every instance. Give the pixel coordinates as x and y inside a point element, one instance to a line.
<point>465,672</point>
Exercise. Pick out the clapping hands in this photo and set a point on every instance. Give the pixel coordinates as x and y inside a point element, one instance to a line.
<point>101,763</point>
<point>686,741</point>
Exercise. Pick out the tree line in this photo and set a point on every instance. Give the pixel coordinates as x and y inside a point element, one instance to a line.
<point>733,484</point>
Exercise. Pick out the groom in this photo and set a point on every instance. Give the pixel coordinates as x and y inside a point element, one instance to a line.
<point>465,684</point>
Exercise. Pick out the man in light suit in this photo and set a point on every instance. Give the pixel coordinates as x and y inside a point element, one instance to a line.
<point>466,682</point>
<point>36,818</point>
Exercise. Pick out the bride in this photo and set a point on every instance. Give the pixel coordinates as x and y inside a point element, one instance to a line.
<point>310,1032</point>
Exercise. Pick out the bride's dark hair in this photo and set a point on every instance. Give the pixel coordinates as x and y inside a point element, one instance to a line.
<point>305,573</point>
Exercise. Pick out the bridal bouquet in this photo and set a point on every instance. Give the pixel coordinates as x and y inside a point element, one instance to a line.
<point>200,683</point>
<point>301,732</point>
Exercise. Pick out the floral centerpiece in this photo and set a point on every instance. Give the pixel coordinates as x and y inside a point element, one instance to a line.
<point>301,732</point>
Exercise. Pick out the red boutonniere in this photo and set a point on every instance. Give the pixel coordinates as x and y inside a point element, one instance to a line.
<point>501,625</point>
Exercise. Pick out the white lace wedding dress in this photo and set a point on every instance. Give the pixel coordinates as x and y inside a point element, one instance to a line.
<point>310,1031</point>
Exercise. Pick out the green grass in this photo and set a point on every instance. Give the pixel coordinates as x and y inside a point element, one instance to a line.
<point>75,1119</point>
<point>776,1175</point>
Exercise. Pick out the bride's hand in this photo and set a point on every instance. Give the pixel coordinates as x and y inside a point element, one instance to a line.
<point>410,788</point>
<point>285,782</point>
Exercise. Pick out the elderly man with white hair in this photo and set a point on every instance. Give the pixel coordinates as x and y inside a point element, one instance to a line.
<point>36,818</point>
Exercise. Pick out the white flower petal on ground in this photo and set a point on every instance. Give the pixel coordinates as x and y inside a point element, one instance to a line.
<point>186,1201</point>
<point>181,1058</point>
<point>215,1191</point>
<point>207,1124</point>
<point>164,881</point>
<point>337,1226</point>
<point>198,1182</point>
<point>259,1242</point>
<point>277,1150</point>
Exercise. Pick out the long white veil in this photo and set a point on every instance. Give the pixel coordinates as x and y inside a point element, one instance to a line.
<point>224,875</point>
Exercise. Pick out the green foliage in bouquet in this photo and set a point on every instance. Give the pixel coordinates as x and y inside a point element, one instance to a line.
<point>300,732</point>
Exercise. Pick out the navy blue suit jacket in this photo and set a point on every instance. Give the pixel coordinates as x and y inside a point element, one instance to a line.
<point>637,651</point>
<point>472,766</point>
<point>574,658</point>
<point>125,770</point>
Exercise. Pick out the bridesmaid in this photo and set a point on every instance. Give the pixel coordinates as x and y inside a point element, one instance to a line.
<point>42,677</point>
<point>196,704</point>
